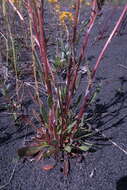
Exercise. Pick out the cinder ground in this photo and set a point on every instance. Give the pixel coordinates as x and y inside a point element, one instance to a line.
<point>105,169</point>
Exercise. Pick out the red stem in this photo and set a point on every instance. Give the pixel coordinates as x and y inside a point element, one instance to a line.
<point>88,90</point>
<point>76,21</point>
<point>109,40</point>
<point>90,26</point>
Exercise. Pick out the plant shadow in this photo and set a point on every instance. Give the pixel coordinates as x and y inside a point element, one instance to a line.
<point>108,115</point>
<point>122,183</point>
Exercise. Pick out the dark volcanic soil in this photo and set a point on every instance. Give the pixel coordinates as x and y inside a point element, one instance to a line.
<point>105,169</point>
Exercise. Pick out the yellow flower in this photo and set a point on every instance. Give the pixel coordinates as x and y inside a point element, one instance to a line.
<point>52,1</point>
<point>15,1</point>
<point>65,15</point>
<point>87,2</point>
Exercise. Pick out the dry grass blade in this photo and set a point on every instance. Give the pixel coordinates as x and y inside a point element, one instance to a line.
<point>15,9</point>
<point>112,142</point>
<point>12,175</point>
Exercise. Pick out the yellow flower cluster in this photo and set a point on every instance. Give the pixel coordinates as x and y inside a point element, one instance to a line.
<point>62,15</point>
<point>65,15</point>
<point>52,1</point>
<point>15,1</point>
<point>87,2</point>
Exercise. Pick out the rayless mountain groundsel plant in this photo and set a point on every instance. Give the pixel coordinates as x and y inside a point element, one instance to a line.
<point>63,133</point>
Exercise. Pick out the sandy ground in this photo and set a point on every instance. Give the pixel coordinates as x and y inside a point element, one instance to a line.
<point>105,169</point>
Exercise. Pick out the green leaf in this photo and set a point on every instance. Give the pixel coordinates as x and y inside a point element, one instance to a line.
<point>82,121</point>
<point>30,150</point>
<point>59,130</point>
<point>68,148</point>
<point>57,63</point>
<point>44,114</point>
<point>70,127</point>
<point>78,100</point>
<point>54,142</point>
<point>88,144</point>
<point>86,135</point>
<point>97,90</point>
<point>50,151</point>
<point>50,101</point>
<point>63,92</point>
<point>78,81</point>
<point>84,148</point>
